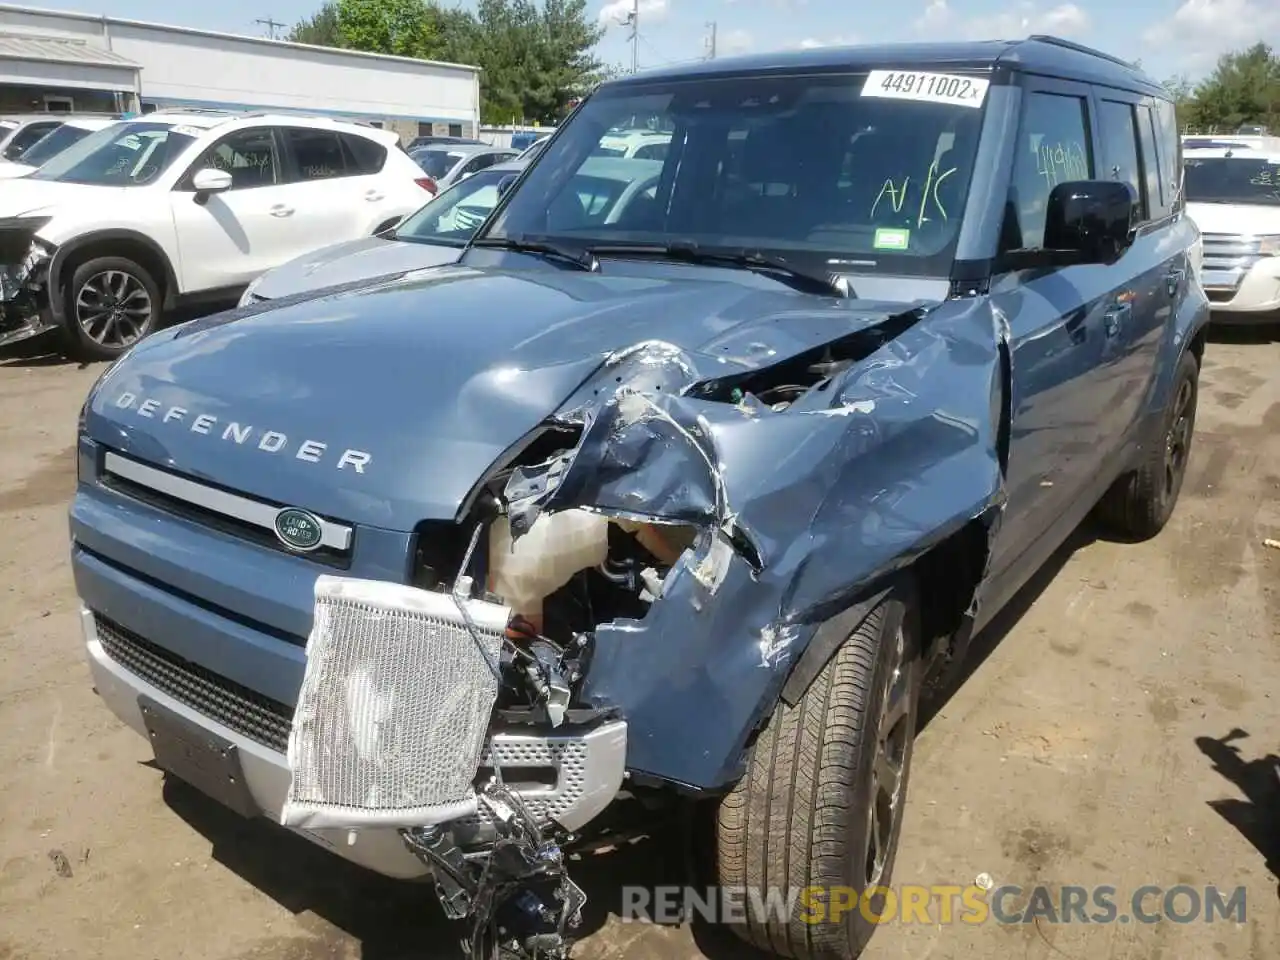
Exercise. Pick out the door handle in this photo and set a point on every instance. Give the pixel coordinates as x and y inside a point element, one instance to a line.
<point>1173,280</point>
<point>280,210</point>
<point>372,195</point>
<point>1115,318</point>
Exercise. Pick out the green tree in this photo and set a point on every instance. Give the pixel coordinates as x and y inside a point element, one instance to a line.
<point>1244,88</point>
<point>404,28</point>
<point>321,28</point>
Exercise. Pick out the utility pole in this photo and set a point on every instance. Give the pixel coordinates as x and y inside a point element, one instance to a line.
<point>633,20</point>
<point>271,26</point>
<point>711,41</point>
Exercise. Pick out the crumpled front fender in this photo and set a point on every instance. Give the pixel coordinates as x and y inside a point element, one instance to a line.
<point>800,512</point>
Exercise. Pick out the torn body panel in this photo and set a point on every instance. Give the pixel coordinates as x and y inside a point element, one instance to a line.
<point>892,444</point>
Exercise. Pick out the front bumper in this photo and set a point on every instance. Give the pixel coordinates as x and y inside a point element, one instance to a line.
<point>567,778</point>
<point>1239,281</point>
<point>24,301</point>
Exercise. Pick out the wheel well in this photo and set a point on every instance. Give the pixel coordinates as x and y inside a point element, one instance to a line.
<point>1197,345</point>
<point>140,253</point>
<point>948,576</point>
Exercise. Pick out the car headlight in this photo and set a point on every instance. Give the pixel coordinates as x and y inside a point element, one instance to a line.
<point>1269,246</point>
<point>248,296</point>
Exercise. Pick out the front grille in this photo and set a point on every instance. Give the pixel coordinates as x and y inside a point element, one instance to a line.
<point>214,520</point>
<point>1227,258</point>
<point>245,711</point>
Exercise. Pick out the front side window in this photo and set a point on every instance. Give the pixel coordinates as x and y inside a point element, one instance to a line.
<point>1238,179</point>
<point>248,155</point>
<point>121,155</point>
<point>51,144</point>
<point>839,171</point>
<point>1052,148</point>
<point>1120,147</point>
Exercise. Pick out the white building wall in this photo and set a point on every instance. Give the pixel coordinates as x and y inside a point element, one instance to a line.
<point>182,67</point>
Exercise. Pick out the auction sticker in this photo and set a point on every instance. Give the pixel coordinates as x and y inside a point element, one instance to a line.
<point>932,87</point>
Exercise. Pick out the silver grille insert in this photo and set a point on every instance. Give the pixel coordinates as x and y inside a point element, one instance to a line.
<point>394,708</point>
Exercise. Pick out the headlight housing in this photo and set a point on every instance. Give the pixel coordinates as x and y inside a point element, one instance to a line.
<point>1269,245</point>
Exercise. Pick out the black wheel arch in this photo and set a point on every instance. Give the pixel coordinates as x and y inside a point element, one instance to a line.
<point>118,242</point>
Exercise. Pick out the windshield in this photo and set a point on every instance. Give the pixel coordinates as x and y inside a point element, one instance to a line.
<point>28,135</point>
<point>848,172</point>
<point>53,143</point>
<point>1254,180</point>
<point>121,155</point>
<point>451,218</point>
<point>436,163</point>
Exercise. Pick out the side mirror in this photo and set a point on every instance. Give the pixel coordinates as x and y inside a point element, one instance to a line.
<point>209,181</point>
<point>505,184</point>
<point>1090,221</point>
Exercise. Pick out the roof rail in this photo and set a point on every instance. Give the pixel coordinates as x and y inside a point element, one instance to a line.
<point>1079,48</point>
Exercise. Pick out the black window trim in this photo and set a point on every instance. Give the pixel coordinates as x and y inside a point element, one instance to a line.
<point>1032,84</point>
<point>183,183</point>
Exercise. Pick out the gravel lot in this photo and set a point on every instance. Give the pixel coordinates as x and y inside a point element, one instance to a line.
<point>1090,745</point>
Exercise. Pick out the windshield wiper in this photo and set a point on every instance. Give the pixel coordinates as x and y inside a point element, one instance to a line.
<point>582,259</point>
<point>753,260</point>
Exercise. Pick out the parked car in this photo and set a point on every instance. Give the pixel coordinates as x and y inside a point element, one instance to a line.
<point>533,149</point>
<point>438,233</point>
<point>53,143</point>
<point>447,164</point>
<point>20,131</point>
<point>430,140</point>
<point>435,234</point>
<point>1233,195</point>
<point>109,235</point>
<point>643,144</point>
<point>673,505</point>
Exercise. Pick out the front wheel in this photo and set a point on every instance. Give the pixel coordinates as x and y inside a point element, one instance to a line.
<point>820,808</point>
<point>112,303</point>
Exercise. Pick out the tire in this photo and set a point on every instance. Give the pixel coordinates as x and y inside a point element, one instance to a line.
<point>800,817</point>
<point>133,308</point>
<point>1139,504</point>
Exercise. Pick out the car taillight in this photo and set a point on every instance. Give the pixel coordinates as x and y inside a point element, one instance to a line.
<point>427,184</point>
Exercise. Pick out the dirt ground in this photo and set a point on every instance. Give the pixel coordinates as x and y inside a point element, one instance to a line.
<point>1119,727</point>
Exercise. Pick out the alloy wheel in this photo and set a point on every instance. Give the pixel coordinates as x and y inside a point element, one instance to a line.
<point>113,308</point>
<point>892,733</point>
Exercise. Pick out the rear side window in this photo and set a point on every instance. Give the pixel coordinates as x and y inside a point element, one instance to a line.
<point>1120,147</point>
<point>317,154</point>
<point>364,157</point>
<point>1052,148</point>
<point>1170,151</point>
<point>1159,200</point>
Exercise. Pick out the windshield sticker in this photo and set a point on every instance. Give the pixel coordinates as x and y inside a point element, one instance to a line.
<point>931,87</point>
<point>891,238</point>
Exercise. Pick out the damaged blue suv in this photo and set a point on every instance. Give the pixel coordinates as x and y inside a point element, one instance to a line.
<point>665,502</point>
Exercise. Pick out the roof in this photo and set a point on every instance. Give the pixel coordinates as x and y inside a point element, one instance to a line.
<point>1035,54</point>
<point>463,149</point>
<point>14,46</point>
<point>103,20</point>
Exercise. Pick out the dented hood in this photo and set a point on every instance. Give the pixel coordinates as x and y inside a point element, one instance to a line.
<point>385,406</point>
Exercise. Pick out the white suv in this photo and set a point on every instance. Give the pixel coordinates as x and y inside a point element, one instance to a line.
<point>170,208</point>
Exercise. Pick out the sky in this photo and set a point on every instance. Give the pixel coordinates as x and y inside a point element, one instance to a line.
<point>1170,37</point>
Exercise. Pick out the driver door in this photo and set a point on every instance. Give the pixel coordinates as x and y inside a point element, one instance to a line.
<point>227,239</point>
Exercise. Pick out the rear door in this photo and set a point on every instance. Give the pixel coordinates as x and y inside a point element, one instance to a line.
<point>1149,275</point>
<point>1061,342</point>
<point>326,189</point>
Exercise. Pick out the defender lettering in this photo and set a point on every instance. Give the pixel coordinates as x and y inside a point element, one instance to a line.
<point>265,441</point>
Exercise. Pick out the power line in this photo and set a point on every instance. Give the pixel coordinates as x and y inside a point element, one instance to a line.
<point>271,26</point>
